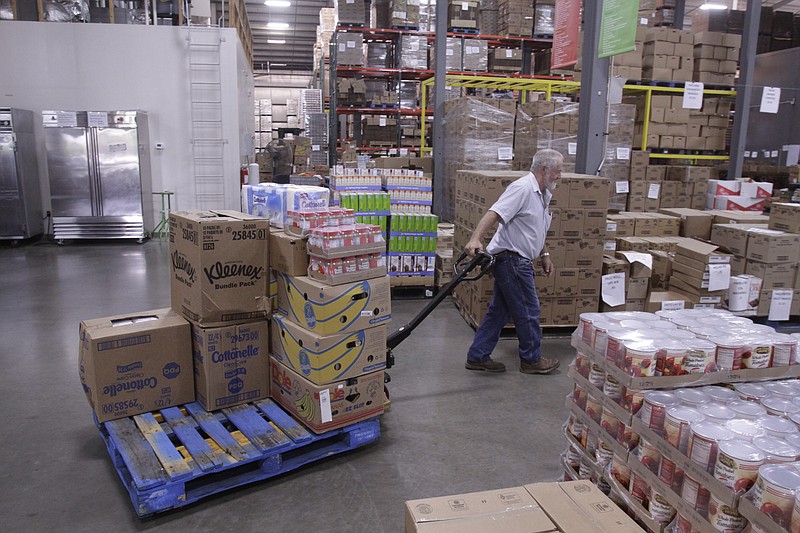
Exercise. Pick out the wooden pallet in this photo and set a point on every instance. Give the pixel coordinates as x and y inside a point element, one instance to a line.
<point>173,457</point>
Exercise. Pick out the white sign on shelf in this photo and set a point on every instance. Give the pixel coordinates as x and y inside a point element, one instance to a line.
<point>653,190</point>
<point>747,153</point>
<point>773,153</point>
<point>673,305</point>
<point>770,100</point>
<point>464,6</point>
<point>572,148</point>
<point>505,154</point>
<point>315,148</point>
<point>382,121</point>
<point>719,277</point>
<point>781,304</point>
<point>792,155</point>
<point>403,152</point>
<point>621,187</point>
<point>693,95</point>
<point>613,291</point>
<point>67,119</point>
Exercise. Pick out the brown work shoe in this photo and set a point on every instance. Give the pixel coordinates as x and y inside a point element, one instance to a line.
<point>545,365</point>
<point>487,366</point>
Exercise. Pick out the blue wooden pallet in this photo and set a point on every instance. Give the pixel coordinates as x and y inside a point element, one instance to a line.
<point>404,27</point>
<point>173,457</point>
<point>467,31</point>
<point>383,106</point>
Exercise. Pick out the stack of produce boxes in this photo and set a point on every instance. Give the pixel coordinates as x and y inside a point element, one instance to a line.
<point>219,278</point>
<point>649,424</point>
<point>329,334</point>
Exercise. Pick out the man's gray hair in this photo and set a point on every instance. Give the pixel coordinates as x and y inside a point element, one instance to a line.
<point>546,158</point>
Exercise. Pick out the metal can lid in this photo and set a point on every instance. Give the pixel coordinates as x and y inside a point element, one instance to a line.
<point>727,341</point>
<point>657,397</point>
<point>634,324</point>
<point>780,405</point>
<point>784,476</point>
<point>775,447</point>
<point>760,328</point>
<point>685,413</point>
<point>691,396</point>
<point>749,409</point>
<point>700,344</point>
<point>793,439</point>
<point>777,424</point>
<point>720,394</point>
<point>681,334</point>
<point>781,390</point>
<point>751,390</point>
<point>711,430</point>
<point>645,347</point>
<point>745,428</point>
<point>742,450</point>
<point>717,412</point>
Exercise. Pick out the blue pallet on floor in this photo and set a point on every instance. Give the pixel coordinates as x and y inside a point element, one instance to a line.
<point>466,31</point>
<point>173,457</point>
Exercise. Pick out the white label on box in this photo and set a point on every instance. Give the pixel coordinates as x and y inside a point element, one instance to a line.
<point>399,15</point>
<point>673,305</point>
<point>505,154</point>
<point>643,21</point>
<point>781,304</point>
<point>351,44</point>
<point>792,155</point>
<point>342,47</point>
<point>572,148</point>
<point>623,153</point>
<point>464,6</point>
<point>67,119</point>
<point>719,277</point>
<point>754,155</point>
<point>366,313</point>
<point>653,190</point>
<point>325,406</point>
<point>621,187</point>
<point>747,153</point>
<point>509,53</point>
<point>693,95</point>
<point>351,1</point>
<point>770,100</point>
<point>613,291</point>
<point>611,226</point>
<point>473,49</point>
<point>449,51</point>
<point>610,246</point>
<point>773,153</point>
<point>639,257</point>
<point>382,121</point>
<point>403,152</point>
<point>393,151</point>
<point>414,46</point>
<point>315,148</point>
<point>97,119</point>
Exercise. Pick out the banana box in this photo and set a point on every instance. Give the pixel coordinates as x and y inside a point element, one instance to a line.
<point>326,309</point>
<point>231,364</point>
<point>325,407</point>
<point>328,358</point>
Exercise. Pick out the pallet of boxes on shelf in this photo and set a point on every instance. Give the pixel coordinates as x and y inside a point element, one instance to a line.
<point>328,354</point>
<point>687,417</point>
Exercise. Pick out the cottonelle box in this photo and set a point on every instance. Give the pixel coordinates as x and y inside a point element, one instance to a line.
<point>231,364</point>
<point>325,359</point>
<point>326,309</point>
<point>568,507</point>
<point>287,253</point>
<point>219,266</point>
<point>325,407</point>
<point>135,363</point>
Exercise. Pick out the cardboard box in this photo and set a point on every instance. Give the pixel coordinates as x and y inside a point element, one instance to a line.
<point>571,223</point>
<point>663,300</point>
<point>785,217</point>
<point>772,246</point>
<point>765,302</point>
<point>135,363</point>
<point>702,252</point>
<point>724,187</point>
<point>636,288</point>
<point>231,364</point>
<point>219,264</point>
<point>694,223</point>
<point>662,269</point>
<point>566,282</point>
<point>775,275</point>
<point>588,191</point>
<point>287,253</point>
<point>325,407</point>
<point>325,359</point>
<point>737,203</point>
<point>563,312</point>
<point>755,189</point>
<point>326,309</point>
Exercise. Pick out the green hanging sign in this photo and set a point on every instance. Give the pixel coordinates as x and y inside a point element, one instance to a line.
<point>618,27</point>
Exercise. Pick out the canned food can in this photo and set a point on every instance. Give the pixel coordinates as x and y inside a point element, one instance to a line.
<point>724,517</point>
<point>654,409</point>
<point>676,425</point>
<point>704,440</point>
<point>774,492</point>
<point>737,464</point>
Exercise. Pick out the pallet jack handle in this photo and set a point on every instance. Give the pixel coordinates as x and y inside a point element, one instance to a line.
<point>461,271</point>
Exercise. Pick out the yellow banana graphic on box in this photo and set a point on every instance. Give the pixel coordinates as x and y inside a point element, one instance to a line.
<point>311,312</point>
<point>305,406</point>
<point>336,361</point>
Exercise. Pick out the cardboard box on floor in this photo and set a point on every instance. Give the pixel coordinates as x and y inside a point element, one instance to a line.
<point>568,507</point>
<point>135,363</point>
<point>219,263</point>
<point>231,364</point>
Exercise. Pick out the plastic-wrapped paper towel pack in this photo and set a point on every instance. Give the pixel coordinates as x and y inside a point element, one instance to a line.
<point>273,200</point>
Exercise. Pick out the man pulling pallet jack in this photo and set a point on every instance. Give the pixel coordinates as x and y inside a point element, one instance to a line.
<point>524,217</point>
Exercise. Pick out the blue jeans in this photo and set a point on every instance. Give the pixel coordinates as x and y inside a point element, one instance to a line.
<point>514,298</point>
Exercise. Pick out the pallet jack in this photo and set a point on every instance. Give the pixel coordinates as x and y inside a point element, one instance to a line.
<point>461,270</point>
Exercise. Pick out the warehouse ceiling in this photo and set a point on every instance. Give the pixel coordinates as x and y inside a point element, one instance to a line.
<point>296,53</point>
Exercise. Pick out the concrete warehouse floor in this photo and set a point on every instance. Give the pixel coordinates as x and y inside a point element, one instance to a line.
<point>449,430</point>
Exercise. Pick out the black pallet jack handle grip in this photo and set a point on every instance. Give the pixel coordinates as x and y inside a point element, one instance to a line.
<point>460,270</point>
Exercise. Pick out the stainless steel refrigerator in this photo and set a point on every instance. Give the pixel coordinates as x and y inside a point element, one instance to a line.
<point>20,196</point>
<point>99,169</point>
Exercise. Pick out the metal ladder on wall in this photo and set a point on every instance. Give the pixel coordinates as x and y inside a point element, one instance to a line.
<point>208,142</point>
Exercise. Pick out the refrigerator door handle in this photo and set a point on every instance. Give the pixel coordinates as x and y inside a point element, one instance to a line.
<point>98,187</point>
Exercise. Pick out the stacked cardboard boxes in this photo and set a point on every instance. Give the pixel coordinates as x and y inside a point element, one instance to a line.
<point>404,14</point>
<point>673,127</point>
<point>701,272</point>
<point>350,12</point>
<point>462,14</point>
<point>219,275</point>
<point>413,52</point>
<point>488,18</point>
<point>668,55</point>
<point>716,57</point>
<point>465,54</point>
<point>506,60</point>
<point>627,65</point>
<point>350,49</point>
<point>544,18</point>
<point>738,195</point>
<point>515,17</point>
<point>329,334</point>
<point>661,186</point>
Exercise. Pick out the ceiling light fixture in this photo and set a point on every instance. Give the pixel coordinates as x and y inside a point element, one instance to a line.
<point>277,64</point>
<point>276,41</point>
<point>277,25</point>
<point>713,6</point>
<point>277,3</point>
